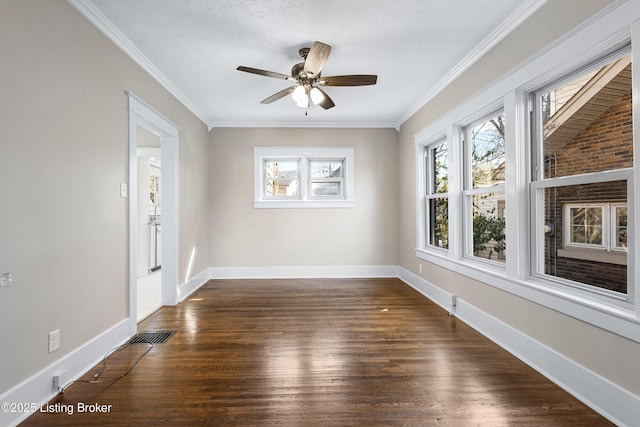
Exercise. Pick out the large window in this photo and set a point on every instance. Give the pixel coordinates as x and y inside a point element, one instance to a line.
<point>437,197</point>
<point>583,158</point>
<point>286,177</point>
<point>484,189</point>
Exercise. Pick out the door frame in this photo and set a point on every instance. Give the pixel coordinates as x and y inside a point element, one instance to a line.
<point>141,115</point>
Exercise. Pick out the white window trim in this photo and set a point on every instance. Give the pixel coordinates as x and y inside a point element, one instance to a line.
<point>429,194</point>
<point>304,155</point>
<point>607,31</point>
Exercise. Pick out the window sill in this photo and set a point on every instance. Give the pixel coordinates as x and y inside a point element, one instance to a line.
<point>596,255</point>
<point>614,315</point>
<point>295,204</point>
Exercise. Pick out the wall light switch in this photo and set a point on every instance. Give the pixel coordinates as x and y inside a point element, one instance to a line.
<point>123,190</point>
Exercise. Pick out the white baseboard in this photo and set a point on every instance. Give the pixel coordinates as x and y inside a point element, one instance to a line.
<point>193,284</point>
<point>618,405</point>
<point>38,389</point>
<point>304,272</point>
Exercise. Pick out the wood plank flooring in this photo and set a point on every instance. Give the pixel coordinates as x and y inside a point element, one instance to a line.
<point>365,352</point>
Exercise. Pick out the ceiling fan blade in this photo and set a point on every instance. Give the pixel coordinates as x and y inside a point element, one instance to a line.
<point>278,95</point>
<point>264,73</point>
<point>326,101</point>
<point>316,58</point>
<point>351,80</point>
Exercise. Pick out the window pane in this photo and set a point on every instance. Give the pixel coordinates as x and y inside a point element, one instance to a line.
<point>586,226</point>
<point>286,188</point>
<point>440,169</point>
<point>587,122</point>
<point>621,227</point>
<point>489,226</point>
<point>439,222</point>
<point>282,178</point>
<point>487,152</point>
<point>326,188</point>
<point>326,169</point>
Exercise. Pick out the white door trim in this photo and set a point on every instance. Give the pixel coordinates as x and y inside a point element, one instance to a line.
<point>142,115</point>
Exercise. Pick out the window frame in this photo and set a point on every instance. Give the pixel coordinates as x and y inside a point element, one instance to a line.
<point>266,178</point>
<point>468,191</point>
<point>430,193</point>
<point>339,179</point>
<point>604,35</point>
<point>614,226</point>
<point>567,225</point>
<point>304,156</point>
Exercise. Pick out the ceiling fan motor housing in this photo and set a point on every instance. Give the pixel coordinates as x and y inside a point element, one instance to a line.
<point>297,69</point>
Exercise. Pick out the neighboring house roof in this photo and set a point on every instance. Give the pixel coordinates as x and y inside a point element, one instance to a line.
<point>594,98</point>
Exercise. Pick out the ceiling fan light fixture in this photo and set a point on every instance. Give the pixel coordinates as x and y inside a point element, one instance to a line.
<point>299,94</point>
<point>316,95</point>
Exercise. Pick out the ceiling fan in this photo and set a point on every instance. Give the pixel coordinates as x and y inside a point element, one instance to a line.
<point>307,77</point>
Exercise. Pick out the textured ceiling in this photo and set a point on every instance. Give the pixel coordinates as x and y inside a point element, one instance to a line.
<point>414,46</point>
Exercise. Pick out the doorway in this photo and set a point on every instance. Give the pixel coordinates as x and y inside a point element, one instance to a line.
<point>153,228</point>
<point>149,281</point>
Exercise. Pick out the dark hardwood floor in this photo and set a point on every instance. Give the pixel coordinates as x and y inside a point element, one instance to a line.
<point>365,352</point>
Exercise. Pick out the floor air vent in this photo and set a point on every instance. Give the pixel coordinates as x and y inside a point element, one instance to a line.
<point>151,337</point>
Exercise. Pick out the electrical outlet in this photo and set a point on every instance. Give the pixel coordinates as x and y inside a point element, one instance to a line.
<point>54,340</point>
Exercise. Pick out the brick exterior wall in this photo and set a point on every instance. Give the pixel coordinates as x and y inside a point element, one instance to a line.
<point>605,145</point>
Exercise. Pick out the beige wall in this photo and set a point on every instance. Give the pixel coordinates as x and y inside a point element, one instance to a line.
<point>241,235</point>
<point>607,354</point>
<point>63,155</point>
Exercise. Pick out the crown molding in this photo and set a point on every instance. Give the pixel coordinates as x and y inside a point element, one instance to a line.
<point>521,14</point>
<point>95,17</point>
<point>294,124</point>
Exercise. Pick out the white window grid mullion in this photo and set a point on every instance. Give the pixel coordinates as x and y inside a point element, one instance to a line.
<point>304,178</point>
<point>587,178</point>
<point>455,154</point>
<point>498,188</point>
